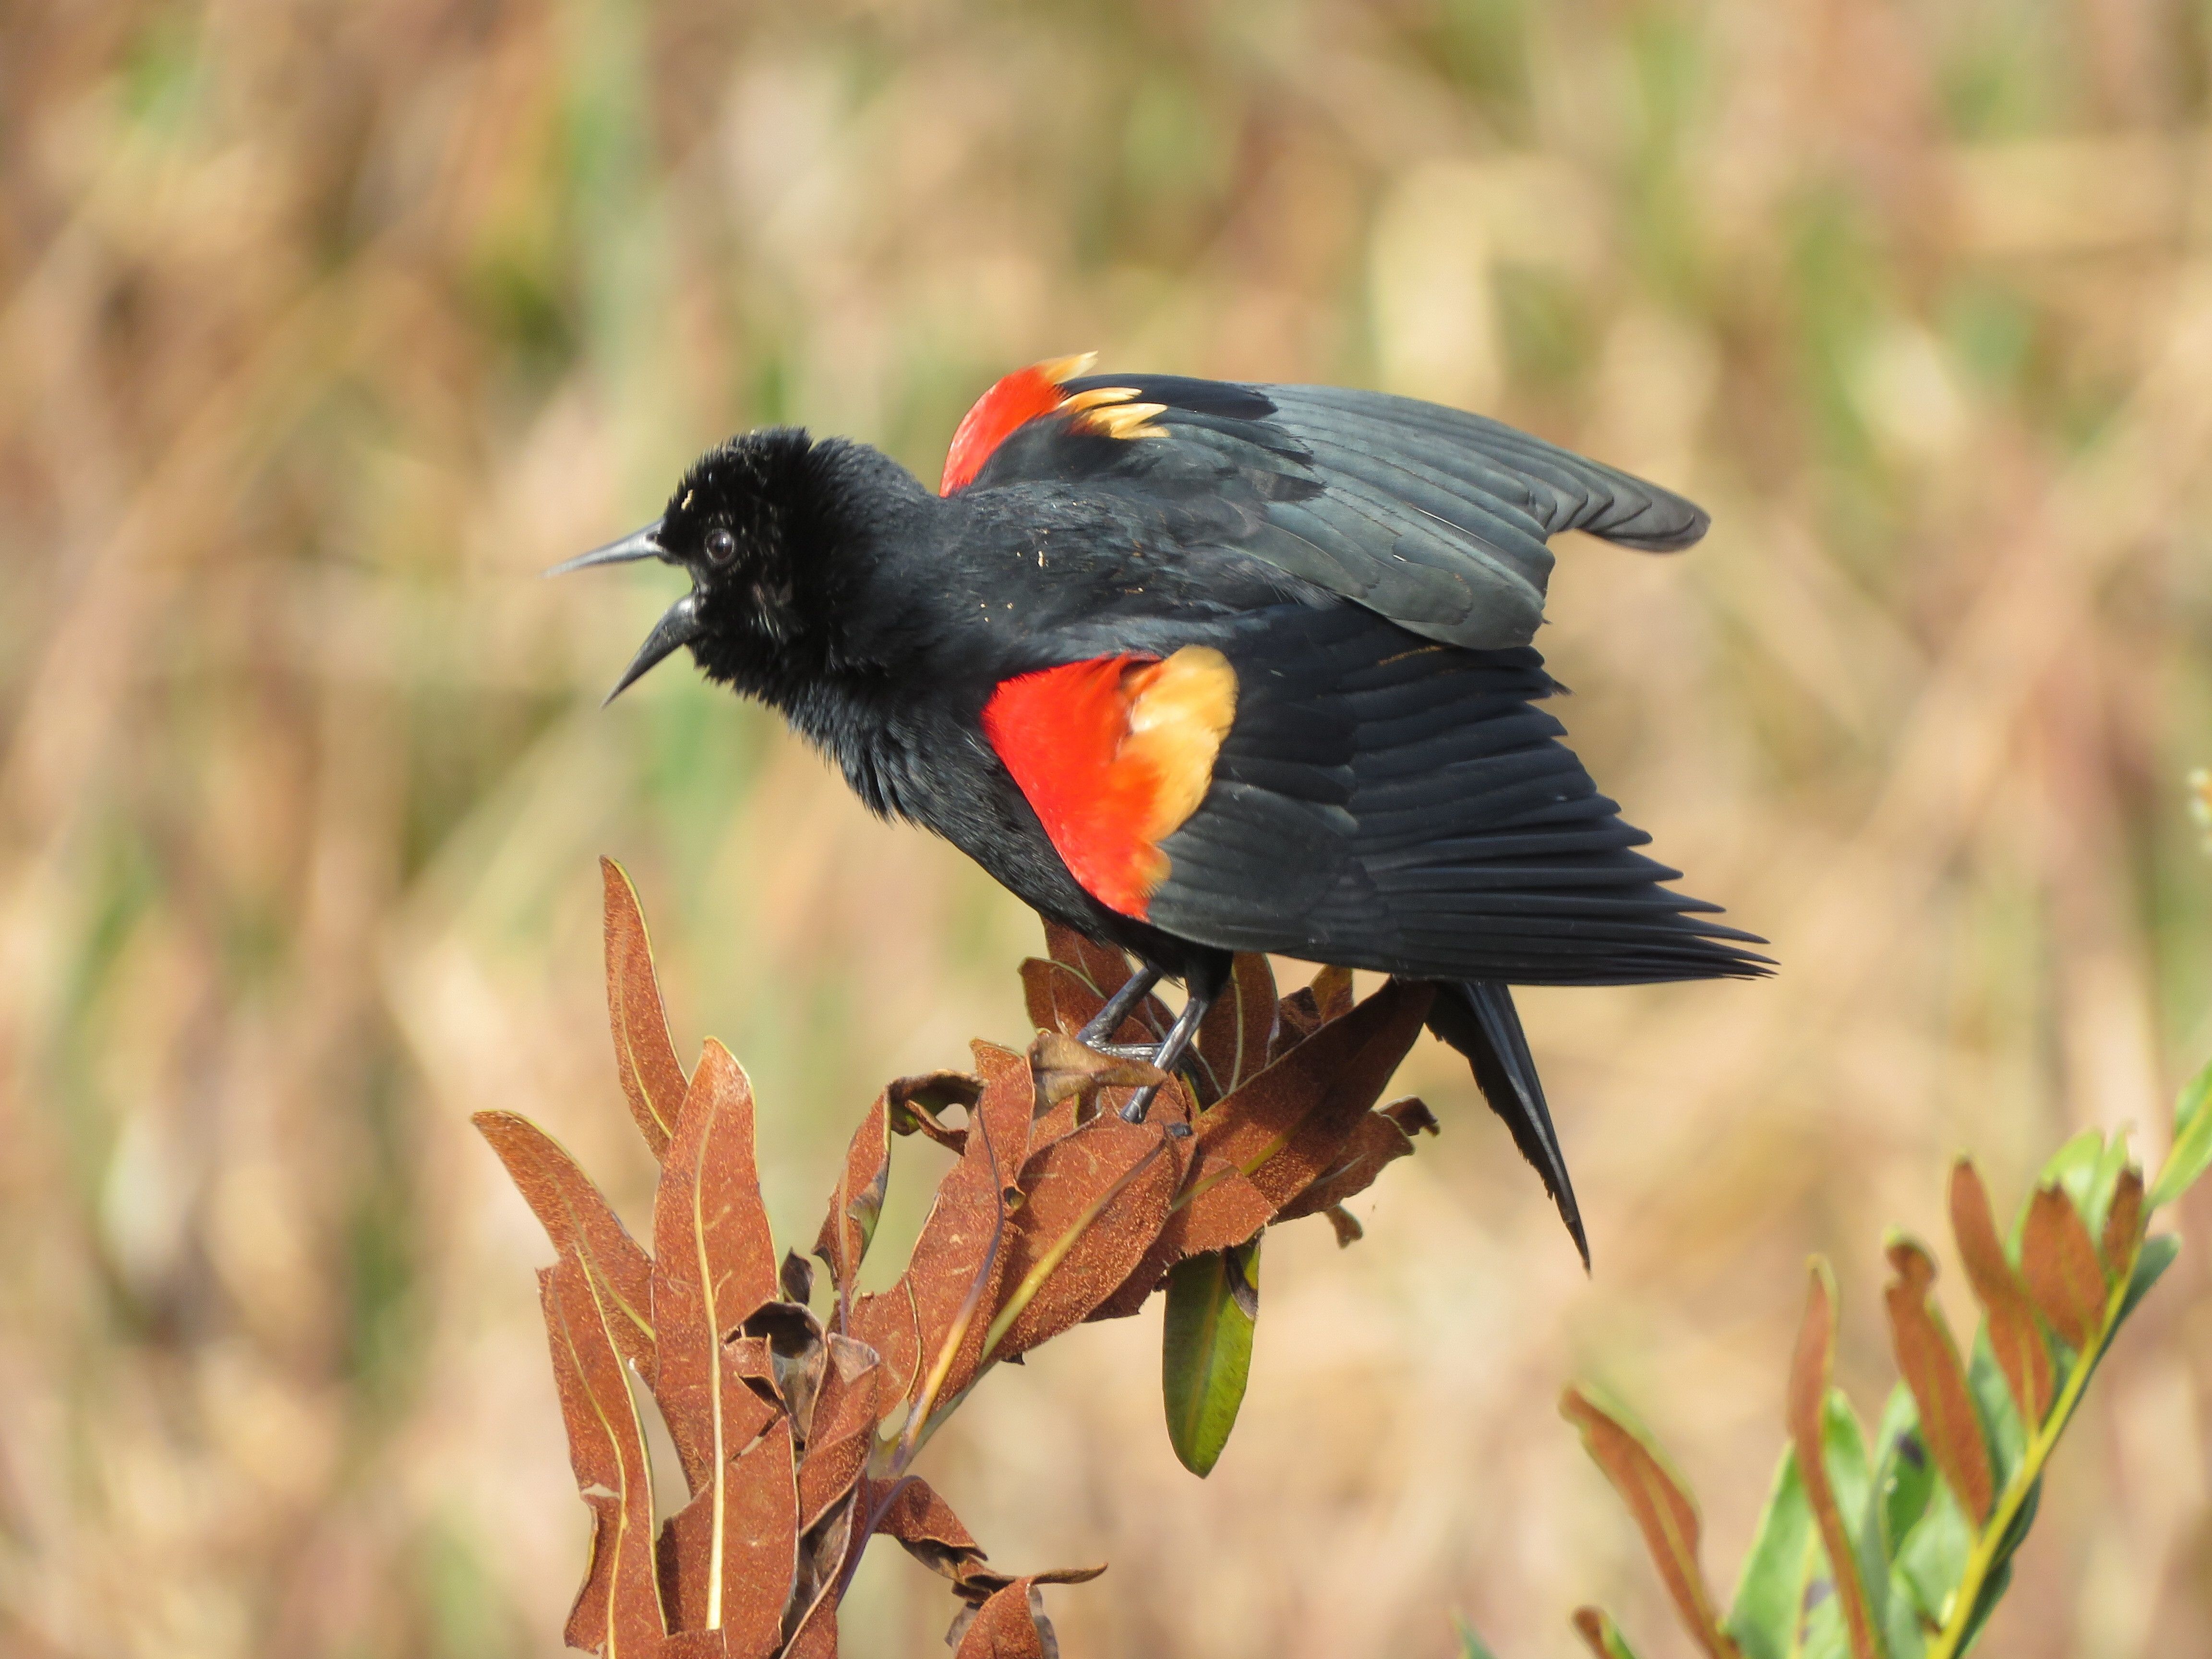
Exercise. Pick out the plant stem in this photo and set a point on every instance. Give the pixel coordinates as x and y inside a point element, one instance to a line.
<point>1981,1561</point>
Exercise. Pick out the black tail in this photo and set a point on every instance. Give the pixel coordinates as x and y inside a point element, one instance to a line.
<point>1478,1018</point>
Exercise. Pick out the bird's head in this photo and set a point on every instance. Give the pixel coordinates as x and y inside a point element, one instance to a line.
<point>740,523</point>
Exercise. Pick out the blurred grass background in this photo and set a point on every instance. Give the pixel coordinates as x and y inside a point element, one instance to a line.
<point>326,326</point>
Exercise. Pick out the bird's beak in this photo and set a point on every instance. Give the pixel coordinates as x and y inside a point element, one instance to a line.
<point>638,544</point>
<point>679,626</point>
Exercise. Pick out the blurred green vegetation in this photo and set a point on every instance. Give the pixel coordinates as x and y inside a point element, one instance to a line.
<point>326,327</point>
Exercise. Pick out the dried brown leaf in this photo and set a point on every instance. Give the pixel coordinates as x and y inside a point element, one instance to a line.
<point>1089,973</point>
<point>1067,1072</point>
<point>858,1203</point>
<point>957,1251</point>
<point>797,1356</point>
<point>2123,1223</point>
<point>2013,1337</point>
<point>1375,1142</point>
<point>1807,1400</point>
<point>1291,1122</point>
<point>728,1566</point>
<point>618,1613</point>
<point>816,1635</point>
<point>829,1551</point>
<point>978,1584</point>
<point>2059,1263</point>
<point>713,1264</point>
<point>1599,1634</point>
<point>1332,992</point>
<point>1345,1225</point>
<point>1663,1511</point>
<point>1412,1113</point>
<point>1061,998</point>
<point>888,1322</point>
<point>1004,1627</point>
<point>1106,966</point>
<point>795,1278</point>
<point>844,1432</point>
<point>924,1525</point>
<point>694,1644</point>
<point>1215,1207</point>
<point>1929,1359</point>
<point>645,1055</point>
<point>1093,1202</point>
<point>1237,1038</point>
<point>578,1220</point>
<point>916,1102</point>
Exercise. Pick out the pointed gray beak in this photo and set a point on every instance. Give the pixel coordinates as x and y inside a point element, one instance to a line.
<point>638,544</point>
<point>679,626</point>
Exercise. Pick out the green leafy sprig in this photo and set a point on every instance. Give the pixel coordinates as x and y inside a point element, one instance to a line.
<point>1900,1547</point>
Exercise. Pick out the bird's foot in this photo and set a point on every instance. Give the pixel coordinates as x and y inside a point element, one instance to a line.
<point>1107,1020</point>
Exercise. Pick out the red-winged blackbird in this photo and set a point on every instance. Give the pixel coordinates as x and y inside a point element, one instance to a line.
<point>1196,667</point>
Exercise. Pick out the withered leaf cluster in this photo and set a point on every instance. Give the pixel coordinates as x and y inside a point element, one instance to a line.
<point>796,1430</point>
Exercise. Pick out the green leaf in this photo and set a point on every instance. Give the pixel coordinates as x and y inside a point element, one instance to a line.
<point>1601,1635</point>
<point>1784,1555</point>
<point>1904,1474</point>
<point>1844,1451</point>
<point>1471,1646</point>
<point>2156,1256</point>
<point>2192,1152</point>
<point>1933,1556</point>
<point>1825,1635</point>
<point>2099,1202</point>
<point>1902,1634</point>
<point>1213,1301</point>
<point>2074,1165</point>
<point>1986,1381</point>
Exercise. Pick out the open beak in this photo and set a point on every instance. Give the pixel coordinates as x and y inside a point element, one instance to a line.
<point>679,626</point>
<point>638,544</point>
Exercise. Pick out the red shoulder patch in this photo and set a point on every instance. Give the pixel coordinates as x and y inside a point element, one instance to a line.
<point>1020,398</point>
<point>1114,755</point>
<point>1038,390</point>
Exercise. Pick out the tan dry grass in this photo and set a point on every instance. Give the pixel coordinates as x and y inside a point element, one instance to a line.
<point>323,328</point>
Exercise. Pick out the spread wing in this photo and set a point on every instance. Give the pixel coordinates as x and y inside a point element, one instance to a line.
<point>1435,519</point>
<point>1382,803</point>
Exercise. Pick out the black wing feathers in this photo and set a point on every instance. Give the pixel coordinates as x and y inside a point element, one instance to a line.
<point>1432,518</point>
<point>1382,804</point>
<point>1480,1021</point>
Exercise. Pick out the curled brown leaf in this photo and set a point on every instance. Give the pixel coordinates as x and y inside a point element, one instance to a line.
<point>713,1264</point>
<point>1004,1627</point>
<point>1291,1122</point>
<point>1664,1510</point>
<point>2124,1224</point>
<point>843,1431</point>
<point>923,1523</point>
<point>1093,1202</point>
<point>2013,1337</point>
<point>2059,1261</point>
<point>728,1557</point>
<point>858,1203</point>
<point>1376,1140</point>
<point>1808,1400</point>
<point>579,1219</point>
<point>1237,1038</point>
<point>618,1613</point>
<point>645,1056</point>
<point>1929,1359</point>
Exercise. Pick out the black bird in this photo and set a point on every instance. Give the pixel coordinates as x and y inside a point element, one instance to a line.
<point>1195,667</point>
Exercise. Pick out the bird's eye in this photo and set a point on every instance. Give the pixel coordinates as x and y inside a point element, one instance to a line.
<point>722,546</point>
